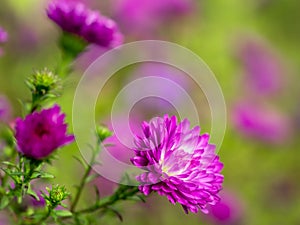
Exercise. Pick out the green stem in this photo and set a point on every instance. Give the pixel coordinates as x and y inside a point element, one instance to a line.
<point>80,188</point>
<point>123,193</point>
<point>85,176</point>
<point>44,218</point>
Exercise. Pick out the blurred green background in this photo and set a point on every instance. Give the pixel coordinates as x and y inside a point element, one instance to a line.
<point>262,176</point>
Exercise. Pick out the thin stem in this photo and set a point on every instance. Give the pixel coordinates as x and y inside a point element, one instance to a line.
<point>121,194</point>
<point>44,218</point>
<point>80,188</point>
<point>85,176</point>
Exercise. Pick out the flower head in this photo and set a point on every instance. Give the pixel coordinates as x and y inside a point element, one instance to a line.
<point>40,133</point>
<point>179,162</point>
<point>56,195</point>
<point>42,82</point>
<point>74,17</point>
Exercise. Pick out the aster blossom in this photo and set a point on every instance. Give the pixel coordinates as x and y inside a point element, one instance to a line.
<point>74,17</point>
<point>40,133</point>
<point>179,163</point>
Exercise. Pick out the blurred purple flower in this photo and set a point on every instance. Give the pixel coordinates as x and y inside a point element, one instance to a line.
<point>40,133</point>
<point>144,19</point>
<point>4,218</point>
<point>3,38</point>
<point>179,162</point>
<point>74,17</point>
<point>228,211</point>
<point>261,122</point>
<point>5,109</point>
<point>3,35</point>
<point>262,67</point>
<point>168,91</point>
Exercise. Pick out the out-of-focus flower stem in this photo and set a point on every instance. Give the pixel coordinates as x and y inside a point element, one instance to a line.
<point>82,183</point>
<point>89,168</point>
<point>64,67</point>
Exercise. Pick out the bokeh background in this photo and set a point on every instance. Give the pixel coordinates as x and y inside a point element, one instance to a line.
<point>252,47</point>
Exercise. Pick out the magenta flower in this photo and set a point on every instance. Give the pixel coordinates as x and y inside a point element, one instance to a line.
<point>74,17</point>
<point>144,20</point>
<point>228,211</point>
<point>40,133</point>
<point>260,122</point>
<point>179,163</point>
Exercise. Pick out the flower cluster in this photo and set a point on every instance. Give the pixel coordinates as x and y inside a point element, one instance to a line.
<point>179,163</point>
<point>75,17</point>
<point>40,133</point>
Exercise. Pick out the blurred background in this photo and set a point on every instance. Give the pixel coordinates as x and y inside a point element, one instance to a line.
<point>252,46</point>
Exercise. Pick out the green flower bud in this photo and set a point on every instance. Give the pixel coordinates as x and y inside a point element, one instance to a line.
<point>103,133</point>
<point>42,82</point>
<point>56,195</point>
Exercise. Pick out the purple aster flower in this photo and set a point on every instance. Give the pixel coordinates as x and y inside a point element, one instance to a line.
<point>40,133</point>
<point>179,162</point>
<point>262,66</point>
<point>145,19</point>
<point>168,91</point>
<point>74,17</point>
<point>260,122</point>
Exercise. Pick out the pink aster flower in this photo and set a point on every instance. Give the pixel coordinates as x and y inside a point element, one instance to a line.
<point>40,133</point>
<point>179,163</point>
<point>228,211</point>
<point>263,68</point>
<point>169,91</point>
<point>144,19</point>
<point>74,17</point>
<point>261,122</point>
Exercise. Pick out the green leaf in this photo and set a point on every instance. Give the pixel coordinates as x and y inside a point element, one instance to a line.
<point>91,177</point>
<point>63,213</point>
<point>98,196</point>
<point>4,202</point>
<point>80,161</point>
<point>9,164</point>
<point>137,198</point>
<point>33,193</point>
<point>115,212</point>
<point>46,175</point>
